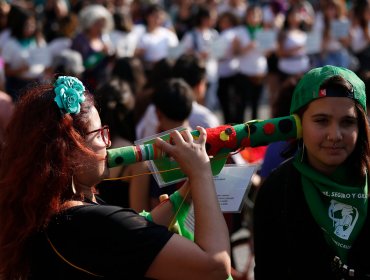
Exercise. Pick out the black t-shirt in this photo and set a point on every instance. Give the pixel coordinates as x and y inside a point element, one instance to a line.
<point>114,192</point>
<point>97,240</point>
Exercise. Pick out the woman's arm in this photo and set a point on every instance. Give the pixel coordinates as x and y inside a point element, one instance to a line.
<point>139,198</point>
<point>208,257</point>
<point>164,212</point>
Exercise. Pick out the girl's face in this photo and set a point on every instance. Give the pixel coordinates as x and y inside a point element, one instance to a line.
<point>224,23</point>
<point>331,11</point>
<point>330,132</point>
<point>29,27</point>
<point>156,18</point>
<point>254,17</point>
<point>294,18</point>
<point>96,169</point>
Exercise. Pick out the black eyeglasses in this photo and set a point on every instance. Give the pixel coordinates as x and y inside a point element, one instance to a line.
<point>104,133</point>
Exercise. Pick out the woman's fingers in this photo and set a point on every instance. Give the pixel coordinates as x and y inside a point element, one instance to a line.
<point>187,135</point>
<point>202,135</point>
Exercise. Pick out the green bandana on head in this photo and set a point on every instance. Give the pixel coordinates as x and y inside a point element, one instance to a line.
<point>340,210</point>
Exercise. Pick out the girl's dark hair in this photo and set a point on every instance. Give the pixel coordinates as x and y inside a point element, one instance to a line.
<point>162,69</point>
<point>42,147</point>
<point>123,21</point>
<point>359,160</point>
<point>202,13</point>
<point>131,70</point>
<point>191,68</point>
<point>116,103</point>
<point>286,25</point>
<point>234,20</point>
<point>151,9</point>
<point>290,11</point>
<point>359,8</point>
<point>174,99</point>
<point>18,17</point>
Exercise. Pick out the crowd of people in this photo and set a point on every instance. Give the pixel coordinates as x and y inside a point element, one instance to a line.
<point>246,46</point>
<point>78,77</point>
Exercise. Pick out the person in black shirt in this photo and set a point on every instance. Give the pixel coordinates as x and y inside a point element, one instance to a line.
<point>52,225</point>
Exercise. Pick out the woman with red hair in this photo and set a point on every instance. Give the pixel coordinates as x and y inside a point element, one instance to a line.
<point>54,227</point>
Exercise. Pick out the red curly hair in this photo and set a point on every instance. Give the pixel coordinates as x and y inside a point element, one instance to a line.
<point>42,147</point>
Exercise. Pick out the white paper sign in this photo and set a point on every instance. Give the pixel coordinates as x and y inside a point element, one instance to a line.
<point>266,39</point>
<point>38,59</point>
<point>231,186</point>
<point>177,51</point>
<point>339,28</point>
<point>39,56</point>
<point>218,48</point>
<point>313,43</point>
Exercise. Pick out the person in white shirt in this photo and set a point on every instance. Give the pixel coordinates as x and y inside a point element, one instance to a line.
<point>334,48</point>
<point>125,35</point>
<point>200,41</point>
<point>253,64</point>
<point>228,65</point>
<point>24,52</point>
<point>292,56</point>
<point>157,40</point>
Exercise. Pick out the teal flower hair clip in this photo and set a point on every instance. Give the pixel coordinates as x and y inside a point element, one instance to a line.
<point>69,93</point>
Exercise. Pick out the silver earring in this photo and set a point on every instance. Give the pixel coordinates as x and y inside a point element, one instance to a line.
<point>302,154</point>
<point>73,186</point>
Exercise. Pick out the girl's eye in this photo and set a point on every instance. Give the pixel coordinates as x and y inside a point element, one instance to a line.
<point>349,122</point>
<point>321,121</point>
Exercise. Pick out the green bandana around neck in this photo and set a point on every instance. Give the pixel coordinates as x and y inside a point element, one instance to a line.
<point>340,210</point>
<point>252,30</point>
<point>27,42</point>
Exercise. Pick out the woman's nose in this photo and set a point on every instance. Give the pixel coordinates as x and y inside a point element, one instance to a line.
<point>109,144</point>
<point>334,133</point>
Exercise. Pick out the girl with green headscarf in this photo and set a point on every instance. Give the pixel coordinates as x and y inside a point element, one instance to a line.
<point>310,215</point>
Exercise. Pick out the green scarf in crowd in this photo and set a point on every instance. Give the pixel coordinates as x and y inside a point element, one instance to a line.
<point>338,207</point>
<point>252,30</point>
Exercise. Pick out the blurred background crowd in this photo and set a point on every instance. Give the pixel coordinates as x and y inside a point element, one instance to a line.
<point>157,65</point>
